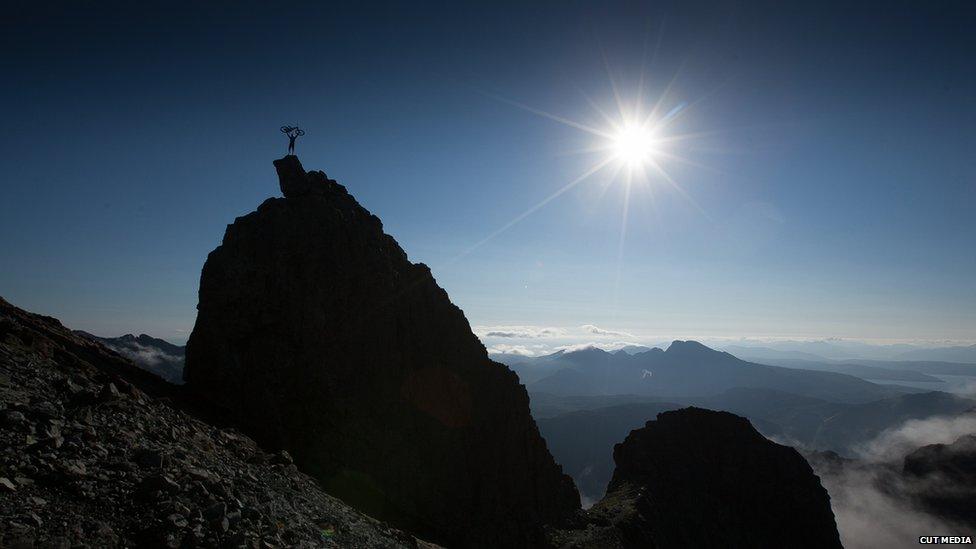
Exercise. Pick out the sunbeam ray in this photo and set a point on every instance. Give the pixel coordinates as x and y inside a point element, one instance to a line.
<point>550,116</point>
<point>599,166</point>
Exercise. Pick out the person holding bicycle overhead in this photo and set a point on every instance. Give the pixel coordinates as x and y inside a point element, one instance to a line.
<point>293,133</point>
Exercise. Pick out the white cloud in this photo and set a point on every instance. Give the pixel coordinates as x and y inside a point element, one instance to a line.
<point>596,330</point>
<point>606,346</point>
<point>518,332</point>
<point>873,502</point>
<point>542,340</point>
<point>141,354</point>
<point>898,441</point>
<point>869,513</point>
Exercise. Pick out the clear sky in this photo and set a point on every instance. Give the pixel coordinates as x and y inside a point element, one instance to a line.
<point>826,187</point>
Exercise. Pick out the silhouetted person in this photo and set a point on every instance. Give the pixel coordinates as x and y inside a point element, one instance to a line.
<point>293,133</point>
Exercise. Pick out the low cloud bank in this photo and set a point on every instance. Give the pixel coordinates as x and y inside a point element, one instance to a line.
<point>596,330</point>
<point>874,503</point>
<point>915,433</point>
<point>529,340</point>
<point>873,510</point>
<point>518,332</point>
<point>541,350</point>
<point>147,356</point>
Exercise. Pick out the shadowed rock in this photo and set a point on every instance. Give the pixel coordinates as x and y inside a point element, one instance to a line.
<point>698,478</point>
<point>318,336</point>
<point>93,457</point>
<point>945,479</point>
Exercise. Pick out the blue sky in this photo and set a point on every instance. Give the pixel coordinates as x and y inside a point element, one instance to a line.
<point>829,190</point>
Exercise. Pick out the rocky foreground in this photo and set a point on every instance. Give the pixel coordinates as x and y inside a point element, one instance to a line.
<point>96,453</point>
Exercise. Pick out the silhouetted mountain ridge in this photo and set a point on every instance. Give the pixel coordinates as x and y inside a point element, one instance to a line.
<point>686,368</point>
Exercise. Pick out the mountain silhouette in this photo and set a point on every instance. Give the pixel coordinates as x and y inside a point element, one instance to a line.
<point>319,336</point>
<point>700,478</point>
<point>686,368</point>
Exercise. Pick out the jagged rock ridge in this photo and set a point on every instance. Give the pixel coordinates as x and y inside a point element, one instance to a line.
<point>319,336</point>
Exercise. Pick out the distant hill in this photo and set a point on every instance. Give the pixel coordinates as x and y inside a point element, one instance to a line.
<point>832,349</point>
<point>686,369</point>
<point>893,370</point>
<point>633,349</point>
<point>864,369</point>
<point>944,354</point>
<point>766,353</point>
<point>150,353</point>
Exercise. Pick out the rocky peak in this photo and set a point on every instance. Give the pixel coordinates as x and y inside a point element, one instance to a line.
<point>699,478</point>
<point>689,347</point>
<point>318,335</point>
<point>294,181</point>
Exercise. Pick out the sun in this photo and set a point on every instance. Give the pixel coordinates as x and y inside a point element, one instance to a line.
<point>632,147</point>
<point>633,144</point>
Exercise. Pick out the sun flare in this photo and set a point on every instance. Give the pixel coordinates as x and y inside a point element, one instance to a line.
<point>633,144</point>
<point>632,148</point>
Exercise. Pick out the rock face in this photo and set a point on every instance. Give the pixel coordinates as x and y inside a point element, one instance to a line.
<point>698,478</point>
<point>90,456</point>
<point>318,336</point>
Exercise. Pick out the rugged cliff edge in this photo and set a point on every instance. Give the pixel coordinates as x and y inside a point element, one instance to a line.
<point>700,478</point>
<point>318,336</point>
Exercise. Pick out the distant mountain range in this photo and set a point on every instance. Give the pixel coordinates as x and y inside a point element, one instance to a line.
<point>586,400</point>
<point>889,370</point>
<point>686,369</point>
<point>845,349</point>
<point>153,354</point>
<point>944,354</point>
